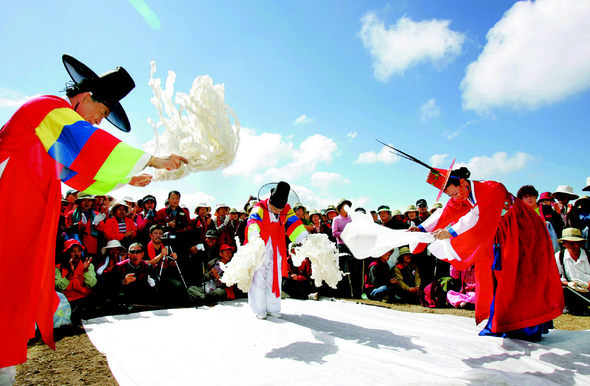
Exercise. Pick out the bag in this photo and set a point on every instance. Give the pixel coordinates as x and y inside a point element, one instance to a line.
<point>434,295</point>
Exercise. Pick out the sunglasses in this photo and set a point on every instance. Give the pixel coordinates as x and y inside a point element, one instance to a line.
<point>135,252</point>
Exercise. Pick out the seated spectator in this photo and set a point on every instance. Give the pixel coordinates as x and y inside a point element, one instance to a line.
<point>408,277</point>
<point>120,227</point>
<point>137,285</point>
<point>203,256</point>
<point>297,284</point>
<point>574,268</point>
<point>212,288</point>
<point>384,214</point>
<point>75,279</point>
<point>398,220</point>
<point>318,226</point>
<point>422,207</point>
<point>379,281</point>
<point>87,224</point>
<point>412,216</point>
<point>107,274</point>
<point>568,212</point>
<point>465,297</point>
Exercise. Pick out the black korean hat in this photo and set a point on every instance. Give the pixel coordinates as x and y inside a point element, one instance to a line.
<point>280,194</point>
<point>109,88</point>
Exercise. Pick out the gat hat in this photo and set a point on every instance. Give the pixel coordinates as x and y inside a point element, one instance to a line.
<point>404,251</point>
<point>565,190</point>
<point>109,88</point>
<point>587,188</point>
<point>411,208</point>
<point>545,196</point>
<point>84,196</point>
<point>224,247</point>
<point>118,204</point>
<point>439,178</point>
<point>111,244</point>
<point>571,234</point>
<point>299,205</point>
<point>343,202</point>
<point>211,234</point>
<point>421,202</point>
<point>383,208</point>
<point>70,243</point>
<point>279,195</point>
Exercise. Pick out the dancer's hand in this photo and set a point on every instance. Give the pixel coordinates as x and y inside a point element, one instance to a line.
<point>441,234</point>
<point>140,180</point>
<point>172,162</point>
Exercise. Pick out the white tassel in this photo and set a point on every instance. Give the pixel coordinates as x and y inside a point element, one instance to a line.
<point>323,255</point>
<point>199,129</point>
<point>247,260</point>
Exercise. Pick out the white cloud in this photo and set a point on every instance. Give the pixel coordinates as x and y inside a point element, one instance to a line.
<point>325,180</point>
<point>302,120</point>
<point>498,164</point>
<point>13,99</point>
<point>258,152</point>
<point>537,54</point>
<point>438,160</point>
<point>429,110</point>
<point>407,43</point>
<point>370,157</point>
<point>448,134</point>
<point>351,136</point>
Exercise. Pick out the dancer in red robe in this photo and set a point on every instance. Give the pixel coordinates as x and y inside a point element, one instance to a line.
<point>47,141</point>
<point>517,283</point>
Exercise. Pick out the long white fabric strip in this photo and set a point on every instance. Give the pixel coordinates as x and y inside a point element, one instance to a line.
<point>3,166</point>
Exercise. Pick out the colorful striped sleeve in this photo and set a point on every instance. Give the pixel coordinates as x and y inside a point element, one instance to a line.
<point>294,227</point>
<point>254,221</point>
<point>89,159</point>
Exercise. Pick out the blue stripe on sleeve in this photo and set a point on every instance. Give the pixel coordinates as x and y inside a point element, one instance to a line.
<point>71,140</point>
<point>66,174</point>
<point>421,228</point>
<point>290,221</point>
<point>452,232</point>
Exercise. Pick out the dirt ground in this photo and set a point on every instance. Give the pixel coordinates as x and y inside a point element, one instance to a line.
<point>77,362</point>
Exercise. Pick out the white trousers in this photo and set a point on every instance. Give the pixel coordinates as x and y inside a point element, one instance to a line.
<point>260,296</point>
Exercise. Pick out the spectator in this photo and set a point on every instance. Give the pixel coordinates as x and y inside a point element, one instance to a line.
<point>201,223</point>
<point>550,216</point>
<point>98,203</point>
<point>332,213</point>
<point>232,227</point>
<point>528,194</point>
<point>318,226</point>
<point>300,212</point>
<point>348,263</point>
<point>71,196</point>
<point>380,281</point>
<point>203,257</point>
<point>465,297</point>
<point>375,217</point>
<point>175,221</point>
<point>574,269</point>
<point>412,216</point>
<point>423,213</point>
<point>137,285</point>
<point>435,207</point>
<point>212,288</point>
<point>220,220</point>
<point>85,223</point>
<point>108,280</point>
<point>146,218</point>
<point>384,215</point>
<point>569,214</point>
<point>75,278</point>
<point>407,276</point>
<point>120,227</point>
<point>583,207</point>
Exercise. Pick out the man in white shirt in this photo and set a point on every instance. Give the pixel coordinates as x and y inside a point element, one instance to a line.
<point>574,268</point>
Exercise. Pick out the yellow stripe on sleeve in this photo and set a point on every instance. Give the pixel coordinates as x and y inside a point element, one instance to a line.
<point>48,132</point>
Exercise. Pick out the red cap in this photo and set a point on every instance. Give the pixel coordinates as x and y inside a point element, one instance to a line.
<point>439,178</point>
<point>224,247</point>
<point>545,196</point>
<point>70,243</point>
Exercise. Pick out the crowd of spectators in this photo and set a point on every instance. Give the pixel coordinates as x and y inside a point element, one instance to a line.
<point>116,256</point>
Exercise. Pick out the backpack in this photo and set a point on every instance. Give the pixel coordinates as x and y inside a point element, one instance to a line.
<point>434,295</point>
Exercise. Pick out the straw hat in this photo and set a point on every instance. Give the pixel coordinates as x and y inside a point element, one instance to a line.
<point>411,208</point>
<point>404,251</point>
<point>84,196</point>
<point>571,234</point>
<point>566,190</point>
<point>111,244</point>
<point>396,212</point>
<point>331,208</point>
<point>118,204</point>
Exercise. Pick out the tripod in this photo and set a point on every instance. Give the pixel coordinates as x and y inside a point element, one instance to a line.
<point>168,257</point>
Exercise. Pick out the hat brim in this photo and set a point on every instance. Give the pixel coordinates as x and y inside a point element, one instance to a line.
<point>446,180</point>
<point>571,238</point>
<point>570,195</point>
<point>586,189</point>
<point>78,71</point>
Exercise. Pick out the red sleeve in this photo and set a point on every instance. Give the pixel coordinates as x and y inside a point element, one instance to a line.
<point>111,230</point>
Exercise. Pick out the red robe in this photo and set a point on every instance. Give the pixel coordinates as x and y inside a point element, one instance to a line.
<point>43,143</point>
<point>520,287</point>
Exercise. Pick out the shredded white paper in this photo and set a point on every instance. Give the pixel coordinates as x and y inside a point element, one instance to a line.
<point>323,255</point>
<point>247,260</point>
<point>199,129</point>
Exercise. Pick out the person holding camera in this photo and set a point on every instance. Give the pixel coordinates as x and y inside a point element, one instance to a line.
<point>163,259</point>
<point>175,221</point>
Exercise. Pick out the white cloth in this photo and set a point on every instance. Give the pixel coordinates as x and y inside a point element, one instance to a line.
<point>260,297</point>
<point>7,375</point>
<point>579,270</point>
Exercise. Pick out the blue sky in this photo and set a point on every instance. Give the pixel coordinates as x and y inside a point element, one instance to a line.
<point>501,86</point>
